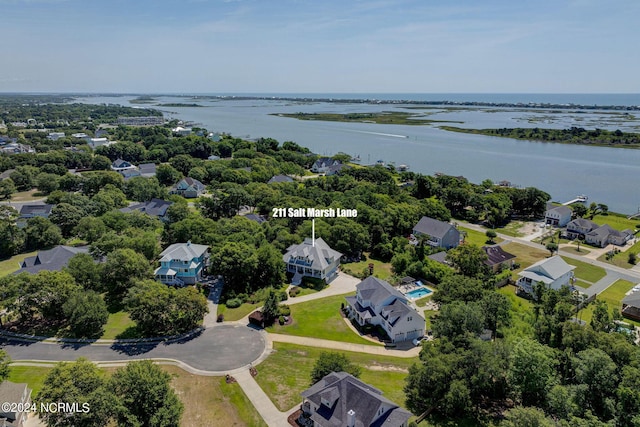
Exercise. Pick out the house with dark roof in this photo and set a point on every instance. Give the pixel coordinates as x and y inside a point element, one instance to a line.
<point>54,259</point>
<point>439,234</point>
<point>440,257</point>
<point>31,211</point>
<point>121,165</point>
<point>188,188</point>
<point>378,303</point>
<point>341,400</point>
<point>154,207</point>
<point>280,178</point>
<point>554,272</point>
<point>323,164</point>
<point>182,264</point>
<point>257,218</point>
<point>498,258</point>
<point>18,394</point>
<point>127,174</point>
<point>335,169</point>
<point>605,235</point>
<point>312,258</point>
<point>579,228</point>
<point>147,170</point>
<point>631,306</point>
<point>558,216</point>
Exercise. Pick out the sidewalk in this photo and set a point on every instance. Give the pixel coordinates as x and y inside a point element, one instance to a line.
<point>265,407</point>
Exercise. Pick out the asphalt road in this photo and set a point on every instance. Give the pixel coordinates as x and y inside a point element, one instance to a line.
<point>218,349</point>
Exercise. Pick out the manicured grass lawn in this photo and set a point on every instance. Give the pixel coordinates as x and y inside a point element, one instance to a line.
<point>622,259</point>
<point>511,229</point>
<point>428,314</point>
<point>574,250</point>
<point>381,270</point>
<point>32,375</point>
<point>423,301</point>
<point>12,264</point>
<point>582,284</point>
<point>584,271</point>
<point>617,222</point>
<point>117,325</point>
<point>477,238</point>
<point>237,313</point>
<point>26,196</point>
<point>287,372</point>
<point>320,319</point>
<point>525,255</point>
<point>613,296</point>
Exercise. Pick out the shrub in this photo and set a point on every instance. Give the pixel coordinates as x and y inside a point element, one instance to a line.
<point>284,310</point>
<point>633,258</point>
<point>281,320</point>
<point>234,303</point>
<point>282,295</point>
<point>295,291</point>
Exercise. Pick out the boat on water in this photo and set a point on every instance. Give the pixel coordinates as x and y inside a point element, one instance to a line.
<point>403,168</point>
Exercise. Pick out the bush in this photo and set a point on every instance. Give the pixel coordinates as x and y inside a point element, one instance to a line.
<point>281,320</point>
<point>234,303</point>
<point>284,310</point>
<point>282,295</point>
<point>633,258</point>
<point>295,291</point>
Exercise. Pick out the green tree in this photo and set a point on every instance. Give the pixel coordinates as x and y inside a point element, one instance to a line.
<point>122,267</point>
<point>90,228</point>
<point>470,260</point>
<point>47,182</point>
<point>601,320</point>
<point>11,239</point>
<point>41,233</point>
<point>595,370</point>
<point>143,189</point>
<point>7,188</point>
<point>167,175</point>
<point>532,372</point>
<point>526,417</point>
<point>271,271</point>
<point>271,307</point>
<point>552,247</point>
<point>491,234</point>
<point>458,321</point>
<point>87,314</point>
<point>237,262</point>
<point>146,395</point>
<point>66,217</point>
<point>100,163</point>
<point>86,271</point>
<point>5,362</point>
<point>329,362</point>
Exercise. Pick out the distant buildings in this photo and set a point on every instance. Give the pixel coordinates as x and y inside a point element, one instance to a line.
<point>280,178</point>
<point>16,148</point>
<point>323,164</point>
<point>154,207</point>
<point>31,211</point>
<point>179,130</point>
<point>188,188</point>
<point>141,121</point>
<point>120,165</point>
<point>54,136</point>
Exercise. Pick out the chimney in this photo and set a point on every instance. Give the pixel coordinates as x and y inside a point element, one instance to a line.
<point>351,418</point>
<point>188,242</point>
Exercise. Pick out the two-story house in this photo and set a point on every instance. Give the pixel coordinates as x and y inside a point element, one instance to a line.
<point>439,234</point>
<point>312,258</point>
<point>554,272</point>
<point>182,264</point>
<point>323,164</point>
<point>605,235</point>
<point>31,211</point>
<point>120,165</point>
<point>188,188</point>
<point>154,207</point>
<point>20,395</point>
<point>340,399</point>
<point>378,303</point>
<point>579,228</point>
<point>557,215</point>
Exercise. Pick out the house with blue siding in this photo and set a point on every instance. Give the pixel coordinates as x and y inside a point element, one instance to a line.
<point>182,264</point>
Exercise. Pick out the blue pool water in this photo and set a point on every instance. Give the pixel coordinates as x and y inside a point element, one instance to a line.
<point>418,293</point>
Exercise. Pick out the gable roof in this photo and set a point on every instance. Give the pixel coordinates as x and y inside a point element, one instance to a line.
<point>604,231</point>
<point>432,227</point>
<point>280,178</point>
<point>36,210</point>
<point>496,255</point>
<point>191,182</point>
<point>582,223</point>
<point>147,169</point>
<point>547,270</point>
<point>318,254</point>
<point>119,163</point>
<point>561,210</point>
<point>377,290</point>
<point>154,207</point>
<point>183,251</point>
<point>12,392</point>
<point>52,259</point>
<point>350,395</point>
<point>440,257</point>
<point>632,299</point>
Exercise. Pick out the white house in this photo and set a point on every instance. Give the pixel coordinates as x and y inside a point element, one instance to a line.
<point>557,215</point>
<point>312,259</point>
<point>323,164</point>
<point>554,272</point>
<point>378,303</point>
<point>18,394</point>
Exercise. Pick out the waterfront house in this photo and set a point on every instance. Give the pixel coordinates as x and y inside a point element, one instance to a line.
<point>31,211</point>
<point>579,228</point>
<point>605,235</point>
<point>378,303</point>
<point>312,259</point>
<point>439,234</point>
<point>54,259</point>
<point>554,272</point>
<point>323,164</point>
<point>341,400</point>
<point>188,188</point>
<point>19,394</point>
<point>558,216</point>
<point>498,258</point>
<point>120,165</point>
<point>182,264</point>
<point>335,169</point>
<point>154,207</point>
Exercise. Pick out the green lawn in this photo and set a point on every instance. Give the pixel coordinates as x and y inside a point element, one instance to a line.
<point>525,255</point>
<point>582,284</point>
<point>613,296</point>
<point>617,222</point>
<point>512,229</point>
<point>27,196</point>
<point>12,264</point>
<point>574,250</point>
<point>477,238</point>
<point>423,301</point>
<point>622,259</point>
<point>34,376</point>
<point>119,325</point>
<point>584,271</point>
<point>237,313</point>
<point>381,270</point>
<point>287,372</point>
<point>320,319</point>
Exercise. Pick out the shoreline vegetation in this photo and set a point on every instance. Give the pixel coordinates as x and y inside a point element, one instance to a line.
<point>573,135</point>
<point>384,117</point>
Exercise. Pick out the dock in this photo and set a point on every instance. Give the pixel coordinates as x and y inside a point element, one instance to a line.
<point>579,199</point>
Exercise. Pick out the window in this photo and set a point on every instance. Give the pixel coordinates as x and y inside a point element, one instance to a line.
<point>409,318</point>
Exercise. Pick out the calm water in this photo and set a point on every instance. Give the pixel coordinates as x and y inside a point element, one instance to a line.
<point>606,175</point>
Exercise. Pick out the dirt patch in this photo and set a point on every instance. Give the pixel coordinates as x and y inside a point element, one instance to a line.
<point>386,368</point>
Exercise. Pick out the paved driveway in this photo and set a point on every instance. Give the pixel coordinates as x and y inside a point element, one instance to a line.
<point>216,350</point>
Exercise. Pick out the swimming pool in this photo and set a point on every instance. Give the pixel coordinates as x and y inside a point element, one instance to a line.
<point>418,293</point>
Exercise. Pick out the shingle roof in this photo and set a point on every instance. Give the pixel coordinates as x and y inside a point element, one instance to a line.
<point>280,178</point>
<point>377,290</point>
<point>318,254</point>
<point>605,231</point>
<point>183,251</point>
<point>496,255</point>
<point>36,210</point>
<point>432,227</point>
<point>562,210</point>
<point>147,169</point>
<point>352,395</point>
<point>154,207</point>
<point>582,223</point>
<point>440,257</point>
<point>119,163</point>
<point>12,392</point>
<point>547,270</point>
<point>51,260</point>
<point>632,299</point>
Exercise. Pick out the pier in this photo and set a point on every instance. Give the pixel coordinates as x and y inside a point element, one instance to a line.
<point>581,199</point>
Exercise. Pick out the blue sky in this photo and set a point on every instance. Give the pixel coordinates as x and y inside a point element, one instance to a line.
<point>289,46</point>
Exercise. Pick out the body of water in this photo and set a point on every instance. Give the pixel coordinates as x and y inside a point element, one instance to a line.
<point>606,175</point>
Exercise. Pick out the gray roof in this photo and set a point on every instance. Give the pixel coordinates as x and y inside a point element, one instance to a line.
<point>320,255</point>
<point>605,231</point>
<point>280,178</point>
<point>348,393</point>
<point>396,311</point>
<point>154,207</point>
<point>183,251</point>
<point>496,255</point>
<point>12,392</point>
<point>36,210</point>
<point>582,223</point>
<point>51,260</point>
<point>257,218</point>
<point>377,290</point>
<point>632,299</point>
<point>432,227</point>
<point>6,174</point>
<point>147,169</point>
<point>562,210</point>
<point>119,163</point>
<point>440,257</point>
<point>547,270</point>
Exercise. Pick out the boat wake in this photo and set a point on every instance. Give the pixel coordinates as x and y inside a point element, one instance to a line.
<point>380,133</point>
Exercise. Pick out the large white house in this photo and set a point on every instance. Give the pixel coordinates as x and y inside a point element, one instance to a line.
<point>378,303</point>
<point>557,215</point>
<point>554,272</point>
<point>312,259</point>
